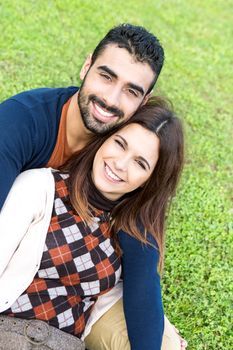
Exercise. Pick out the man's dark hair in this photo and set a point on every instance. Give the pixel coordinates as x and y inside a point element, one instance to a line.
<point>144,46</point>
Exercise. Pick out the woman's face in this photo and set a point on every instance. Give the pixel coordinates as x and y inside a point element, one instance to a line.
<point>125,161</point>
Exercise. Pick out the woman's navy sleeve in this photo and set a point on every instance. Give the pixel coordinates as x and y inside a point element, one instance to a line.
<point>142,293</point>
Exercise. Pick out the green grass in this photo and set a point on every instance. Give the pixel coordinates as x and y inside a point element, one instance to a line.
<point>43,43</point>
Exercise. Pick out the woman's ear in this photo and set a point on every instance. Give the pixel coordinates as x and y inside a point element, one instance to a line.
<point>85,67</point>
<point>144,184</point>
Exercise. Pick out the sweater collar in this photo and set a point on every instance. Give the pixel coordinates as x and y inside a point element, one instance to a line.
<point>97,200</point>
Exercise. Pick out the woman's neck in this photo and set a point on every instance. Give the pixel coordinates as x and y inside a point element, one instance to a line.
<point>97,199</point>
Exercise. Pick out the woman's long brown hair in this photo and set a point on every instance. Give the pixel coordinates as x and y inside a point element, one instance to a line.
<point>147,206</point>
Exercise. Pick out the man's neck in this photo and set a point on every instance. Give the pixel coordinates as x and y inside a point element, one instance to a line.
<point>76,132</point>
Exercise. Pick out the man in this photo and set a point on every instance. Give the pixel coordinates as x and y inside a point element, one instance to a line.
<point>43,127</point>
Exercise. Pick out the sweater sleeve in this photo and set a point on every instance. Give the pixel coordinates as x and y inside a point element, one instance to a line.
<point>15,143</point>
<point>18,212</point>
<point>141,293</point>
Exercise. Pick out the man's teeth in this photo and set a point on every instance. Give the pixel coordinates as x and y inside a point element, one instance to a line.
<point>104,113</point>
<point>111,174</point>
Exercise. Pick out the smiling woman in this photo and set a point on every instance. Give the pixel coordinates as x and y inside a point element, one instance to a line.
<point>92,217</point>
<point>122,165</point>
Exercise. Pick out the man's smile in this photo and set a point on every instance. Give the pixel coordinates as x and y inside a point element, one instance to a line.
<point>101,114</point>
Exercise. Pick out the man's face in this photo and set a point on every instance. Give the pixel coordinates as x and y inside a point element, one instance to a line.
<point>113,88</point>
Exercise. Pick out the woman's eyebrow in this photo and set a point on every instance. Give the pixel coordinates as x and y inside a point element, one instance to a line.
<point>126,144</point>
<point>122,138</point>
<point>144,160</point>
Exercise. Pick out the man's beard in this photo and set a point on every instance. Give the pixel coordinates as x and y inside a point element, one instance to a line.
<point>92,124</point>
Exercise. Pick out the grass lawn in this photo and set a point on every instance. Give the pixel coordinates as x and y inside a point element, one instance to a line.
<point>44,43</point>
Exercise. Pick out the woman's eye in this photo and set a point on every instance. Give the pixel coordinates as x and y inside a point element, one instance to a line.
<point>119,143</point>
<point>141,164</point>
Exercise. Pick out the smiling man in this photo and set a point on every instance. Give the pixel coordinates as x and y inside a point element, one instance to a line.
<point>114,86</point>
<point>43,127</point>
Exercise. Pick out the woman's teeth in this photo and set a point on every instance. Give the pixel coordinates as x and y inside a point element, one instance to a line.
<point>111,174</point>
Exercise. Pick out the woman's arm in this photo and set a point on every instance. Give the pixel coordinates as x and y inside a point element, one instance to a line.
<point>24,205</point>
<point>24,222</point>
<point>141,293</point>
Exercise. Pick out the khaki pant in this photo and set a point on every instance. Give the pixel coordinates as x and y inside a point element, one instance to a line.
<point>110,333</point>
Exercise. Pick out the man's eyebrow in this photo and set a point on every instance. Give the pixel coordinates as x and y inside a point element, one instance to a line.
<point>108,70</point>
<point>136,87</point>
<point>126,144</point>
<point>114,75</point>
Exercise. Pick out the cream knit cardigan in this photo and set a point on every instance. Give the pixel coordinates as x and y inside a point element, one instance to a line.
<point>24,222</point>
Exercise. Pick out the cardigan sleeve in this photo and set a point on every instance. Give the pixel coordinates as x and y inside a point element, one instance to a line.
<point>24,206</point>
<point>141,293</point>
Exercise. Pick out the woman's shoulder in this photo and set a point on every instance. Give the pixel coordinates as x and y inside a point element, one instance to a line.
<point>31,194</point>
<point>36,183</point>
<point>33,175</point>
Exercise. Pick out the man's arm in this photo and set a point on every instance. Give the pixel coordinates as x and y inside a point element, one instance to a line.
<point>16,142</point>
<point>141,294</point>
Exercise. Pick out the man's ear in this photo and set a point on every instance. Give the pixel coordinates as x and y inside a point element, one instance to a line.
<point>85,67</point>
<point>146,98</point>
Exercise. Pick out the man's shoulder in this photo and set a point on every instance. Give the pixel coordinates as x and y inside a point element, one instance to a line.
<point>43,95</point>
<point>42,105</point>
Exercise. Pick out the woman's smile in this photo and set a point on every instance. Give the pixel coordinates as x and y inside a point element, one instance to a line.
<point>111,175</point>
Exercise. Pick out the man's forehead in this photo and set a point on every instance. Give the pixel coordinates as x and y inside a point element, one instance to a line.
<point>125,66</point>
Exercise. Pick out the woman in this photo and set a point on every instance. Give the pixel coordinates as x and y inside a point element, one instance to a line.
<point>62,257</point>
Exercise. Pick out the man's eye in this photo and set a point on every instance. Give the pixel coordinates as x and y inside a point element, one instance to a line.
<point>120,143</point>
<point>133,92</point>
<point>141,164</point>
<point>105,76</point>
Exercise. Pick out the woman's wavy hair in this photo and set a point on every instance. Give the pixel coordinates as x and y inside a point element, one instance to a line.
<point>146,206</point>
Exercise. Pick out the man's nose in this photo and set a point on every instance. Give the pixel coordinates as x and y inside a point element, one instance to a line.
<point>111,97</point>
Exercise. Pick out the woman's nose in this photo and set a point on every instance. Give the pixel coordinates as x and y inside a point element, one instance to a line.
<point>121,164</point>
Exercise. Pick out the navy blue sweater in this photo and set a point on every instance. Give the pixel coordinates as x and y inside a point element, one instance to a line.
<point>29,125</point>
